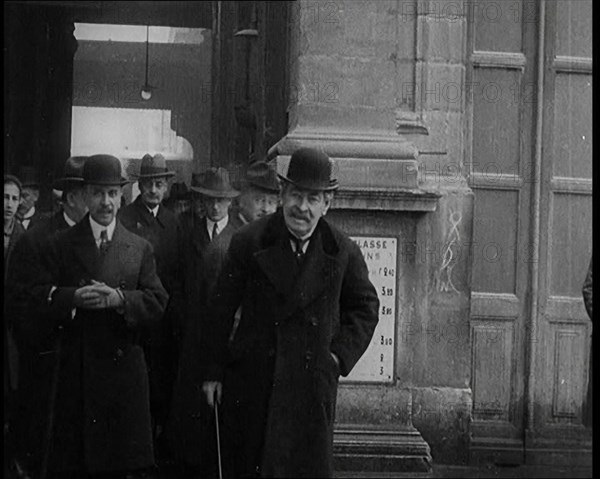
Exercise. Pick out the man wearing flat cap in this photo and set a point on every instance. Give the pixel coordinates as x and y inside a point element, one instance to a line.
<point>205,244</point>
<point>101,295</point>
<point>150,219</point>
<point>308,314</point>
<point>37,355</point>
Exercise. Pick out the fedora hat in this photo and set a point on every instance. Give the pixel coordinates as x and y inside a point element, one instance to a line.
<point>310,169</point>
<point>72,173</point>
<point>154,167</point>
<point>103,170</point>
<point>262,176</point>
<point>214,183</point>
<point>29,177</point>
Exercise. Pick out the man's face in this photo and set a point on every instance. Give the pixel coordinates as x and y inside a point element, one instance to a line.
<point>29,197</point>
<point>256,203</point>
<point>103,202</point>
<point>76,204</point>
<point>216,208</point>
<point>153,191</point>
<point>303,208</point>
<point>12,197</point>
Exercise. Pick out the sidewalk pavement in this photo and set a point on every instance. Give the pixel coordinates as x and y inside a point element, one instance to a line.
<point>442,471</point>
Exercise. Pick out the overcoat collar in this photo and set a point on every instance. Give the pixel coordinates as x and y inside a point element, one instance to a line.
<point>146,215</point>
<point>88,253</point>
<point>276,260</point>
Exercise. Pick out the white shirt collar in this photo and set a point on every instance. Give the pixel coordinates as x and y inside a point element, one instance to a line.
<point>305,239</point>
<point>29,214</point>
<point>220,225</point>
<point>68,219</point>
<point>153,211</point>
<point>97,229</point>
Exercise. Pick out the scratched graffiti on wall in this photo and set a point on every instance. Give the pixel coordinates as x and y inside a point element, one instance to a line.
<point>450,256</point>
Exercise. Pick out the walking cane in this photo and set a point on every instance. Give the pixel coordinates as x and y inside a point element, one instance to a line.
<point>218,435</point>
<point>52,402</point>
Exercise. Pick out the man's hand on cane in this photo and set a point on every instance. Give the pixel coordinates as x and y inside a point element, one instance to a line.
<point>212,391</point>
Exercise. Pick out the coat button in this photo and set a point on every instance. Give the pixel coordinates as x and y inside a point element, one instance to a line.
<point>313,321</point>
<point>276,323</point>
<point>120,353</point>
<point>122,284</point>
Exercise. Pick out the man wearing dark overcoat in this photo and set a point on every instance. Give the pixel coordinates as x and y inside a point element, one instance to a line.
<point>308,314</point>
<point>28,213</point>
<point>205,244</point>
<point>37,354</point>
<point>101,294</point>
<point>147,217</point>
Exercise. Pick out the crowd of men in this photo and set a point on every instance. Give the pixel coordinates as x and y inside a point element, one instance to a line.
<point>126,326</point>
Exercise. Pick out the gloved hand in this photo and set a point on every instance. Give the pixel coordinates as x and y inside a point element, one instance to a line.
<point>109,298</point>
<point>87,297</point>
<point>212,390</point>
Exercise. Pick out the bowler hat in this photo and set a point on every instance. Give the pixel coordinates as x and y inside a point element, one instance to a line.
<point>72,173</point>
<point>29,177</point>
<point>260,175</point>
<point>154,167</point>
<point>310,169</point>
<point>214,183</point>
<point>103,170</point>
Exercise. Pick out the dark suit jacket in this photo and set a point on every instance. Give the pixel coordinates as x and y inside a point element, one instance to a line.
<point>164,348</point>
<point>102,414</point>
<point>37,352</point>
<point>279,379</point>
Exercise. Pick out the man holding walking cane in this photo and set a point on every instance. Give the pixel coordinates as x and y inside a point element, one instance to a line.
<point>308,314</point>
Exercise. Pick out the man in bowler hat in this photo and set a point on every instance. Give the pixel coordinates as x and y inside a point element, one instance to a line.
<point>37,356</point>
<point>150,219</point>
<point>101,294</point>
<point>308,314</point>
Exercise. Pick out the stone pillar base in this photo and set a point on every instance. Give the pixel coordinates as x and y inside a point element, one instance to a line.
<point>380,449</point>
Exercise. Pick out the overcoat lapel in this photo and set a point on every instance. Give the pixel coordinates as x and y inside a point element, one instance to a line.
<point>85,248</point>
<point>278,264</point>
<point>200,235</point>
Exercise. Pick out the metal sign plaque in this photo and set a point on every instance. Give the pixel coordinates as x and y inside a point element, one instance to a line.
<point>377,363</point>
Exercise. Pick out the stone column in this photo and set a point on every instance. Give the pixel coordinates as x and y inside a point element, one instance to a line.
<point>379,85</point>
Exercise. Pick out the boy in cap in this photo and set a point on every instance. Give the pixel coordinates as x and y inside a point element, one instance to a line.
<point>101,295</point>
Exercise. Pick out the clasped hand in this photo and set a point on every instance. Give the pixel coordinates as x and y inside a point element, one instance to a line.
<point>97,296</point>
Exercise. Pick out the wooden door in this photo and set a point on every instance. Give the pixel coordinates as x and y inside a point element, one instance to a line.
<point>501,77</point>
<point>530,157</point>
<point>561,354</point>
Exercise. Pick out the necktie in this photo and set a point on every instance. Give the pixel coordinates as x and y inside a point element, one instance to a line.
<point>214,233</point>
<point>103,241</point>
<point>298,253</point>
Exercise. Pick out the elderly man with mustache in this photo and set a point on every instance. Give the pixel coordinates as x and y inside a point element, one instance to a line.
<point>308,314</point>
